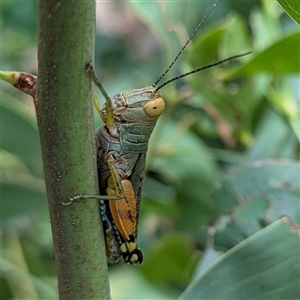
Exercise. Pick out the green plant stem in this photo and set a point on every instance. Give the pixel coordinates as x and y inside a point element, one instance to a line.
<point>65,118</point>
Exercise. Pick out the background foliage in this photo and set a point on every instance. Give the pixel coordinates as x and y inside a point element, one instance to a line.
<point>240,119</point>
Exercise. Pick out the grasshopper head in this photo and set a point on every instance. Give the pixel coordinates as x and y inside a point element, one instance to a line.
<point>138,106</point>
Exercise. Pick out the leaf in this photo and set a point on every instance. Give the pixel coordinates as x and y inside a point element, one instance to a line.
<point>261,178</point>
<point>292,8</point>
<point>264,266</point>
<point>170,260</point>
<point>253,196</point>
<point>128,283</point>
<point>22,186</point>
<point>38,286</point>
<point>185,163</point>
<point>19,133</point>
<point>18,199</point>
<point>274,139</point>
<point>272,59</point>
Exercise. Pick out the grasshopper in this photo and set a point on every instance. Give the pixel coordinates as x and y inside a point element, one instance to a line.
<point>130,117</point>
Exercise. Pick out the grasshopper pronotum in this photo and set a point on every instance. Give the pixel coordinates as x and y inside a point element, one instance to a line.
<point>129,117</point>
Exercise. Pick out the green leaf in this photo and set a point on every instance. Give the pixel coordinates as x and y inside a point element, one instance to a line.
<point>19,133</point>
<point>33,287</point>
<point>274,139</point>
<point>292,8</point>
<point>273,59</point>
<point>170,260</point>
<point>128,283</point>
<point>256,180</point>
<point>20,198</point>
<point>183,161</point>
<point>253,196</point>
<point>264,266</point>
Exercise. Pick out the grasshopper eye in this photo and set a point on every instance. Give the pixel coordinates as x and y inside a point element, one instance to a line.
<point>155,107</point>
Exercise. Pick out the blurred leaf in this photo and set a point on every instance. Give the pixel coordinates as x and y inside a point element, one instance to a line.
<point>19,133</point>
<point>229,105</point>
<point>292,8</point>
<point>231,231</point>
<point>274,139</point>
<point>251,210</point>
<point>127,283</point>
<point>235,39</point>
<point>255,179</point>
<point>42,286</point>
<point>19,38</point>
<point>255,195</point>
<point>182,161</point>
<point>265,25</point>
<point>273,59</point>
<point>17,269</point>
<point>288,106</point>
<point>171,21</point>
<point>21,182</point>
<point>209,256</point>
<point>282,100</point>
<point>18,199</point>
<point>170,260</point>
<point>264,266</point>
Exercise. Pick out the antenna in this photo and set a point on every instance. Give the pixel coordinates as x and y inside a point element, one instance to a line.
<point>185,45</point>
<point>203,68</point>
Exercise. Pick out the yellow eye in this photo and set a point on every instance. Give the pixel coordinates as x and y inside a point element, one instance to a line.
<point>155,107</point>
